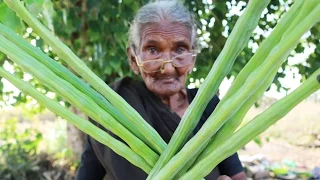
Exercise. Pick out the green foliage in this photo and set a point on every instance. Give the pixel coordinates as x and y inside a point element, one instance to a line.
<point>66,158</point>
<point>18,152</point>
<point>57,139</point>
<point>22,156</point>
<point>96,31</point>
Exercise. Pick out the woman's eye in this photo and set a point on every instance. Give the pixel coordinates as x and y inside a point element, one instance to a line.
<point>152,50</point>
<point>181,50</point>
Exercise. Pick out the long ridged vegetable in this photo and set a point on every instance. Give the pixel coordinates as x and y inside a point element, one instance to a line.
<point>280,31</point>
<point>84,125</point>
<point>154,139</point>
<point>226,109</point>
<point>254,127</point>
<point>67,75</point>
<point>241,34</point>
<point>294,16</point>
<point>75,97</point>
<point>228,128</point>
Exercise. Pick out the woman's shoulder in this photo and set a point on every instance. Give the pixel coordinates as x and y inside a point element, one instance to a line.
<point>124,83</point>
<point>209,109</point>
<point>119,83</point>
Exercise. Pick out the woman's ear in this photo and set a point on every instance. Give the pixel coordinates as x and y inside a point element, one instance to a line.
<point>132,60</point>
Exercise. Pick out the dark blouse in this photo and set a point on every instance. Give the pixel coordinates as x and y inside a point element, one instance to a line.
<point>162,119</point>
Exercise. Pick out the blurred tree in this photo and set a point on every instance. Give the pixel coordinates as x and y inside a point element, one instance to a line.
<point>96,31</point>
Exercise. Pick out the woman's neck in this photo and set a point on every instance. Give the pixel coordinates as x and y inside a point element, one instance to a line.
<point>178,102</point>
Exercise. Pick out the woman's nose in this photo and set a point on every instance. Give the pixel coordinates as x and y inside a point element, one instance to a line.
<point>167,64</point>
<point>168,67</point>
<point>166,56</point>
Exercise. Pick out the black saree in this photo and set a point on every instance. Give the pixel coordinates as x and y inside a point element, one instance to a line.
<point>161,118</point>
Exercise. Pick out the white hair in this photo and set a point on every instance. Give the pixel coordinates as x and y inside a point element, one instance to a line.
<point>158,10</point>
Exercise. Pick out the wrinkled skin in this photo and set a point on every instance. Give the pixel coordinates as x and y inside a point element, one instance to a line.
<point>167,39</point>
<point>224,177</point>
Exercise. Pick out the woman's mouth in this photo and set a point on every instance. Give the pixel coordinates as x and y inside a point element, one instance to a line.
<point>168,80</point>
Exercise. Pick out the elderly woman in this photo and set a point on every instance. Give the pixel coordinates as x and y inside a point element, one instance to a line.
<point>162,50</point>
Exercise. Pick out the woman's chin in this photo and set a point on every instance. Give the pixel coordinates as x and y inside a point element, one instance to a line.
<point>167,89</point>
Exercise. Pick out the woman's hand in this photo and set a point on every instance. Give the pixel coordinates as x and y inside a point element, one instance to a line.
<point>224,177</point>
<point>238,176</point>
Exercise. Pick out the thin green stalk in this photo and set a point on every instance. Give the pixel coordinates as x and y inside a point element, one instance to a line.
<point>255,127</point>
<point>226,131</point>
<point>280,30</point>
<point>223,134</point>
<point>266,46</point>
<point>241,34</point>
<point>154,139</point>
<point>308,5</point>
<point>75,97</point>
<point>231,125</point>
<point>67,75</point>
<point>82,124</point>
<point>228,128</point>
<point>231,106</point>
<point>299,12</point>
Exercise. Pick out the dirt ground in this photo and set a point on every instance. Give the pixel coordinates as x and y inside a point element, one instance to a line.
<point>279,150</point>
<point>295,137</point>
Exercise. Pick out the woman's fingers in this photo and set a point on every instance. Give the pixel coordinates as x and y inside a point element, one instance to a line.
<point>224,177</point>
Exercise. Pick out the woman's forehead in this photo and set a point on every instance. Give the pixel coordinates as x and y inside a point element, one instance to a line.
<point>163,31</point>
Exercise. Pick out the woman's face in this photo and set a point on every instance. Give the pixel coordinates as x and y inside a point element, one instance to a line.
<point>163,40</point>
